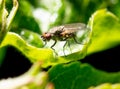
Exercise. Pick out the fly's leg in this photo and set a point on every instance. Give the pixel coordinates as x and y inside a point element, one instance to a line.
<point>67,42</point>
<point>69,46</point>
<point>45,44</point>
<point>53,46</point>
<point>64,48</point>
<point>76,41</point>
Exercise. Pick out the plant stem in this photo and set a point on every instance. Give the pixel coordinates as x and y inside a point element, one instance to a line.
<point>4,21</point>
<point>12,14</point>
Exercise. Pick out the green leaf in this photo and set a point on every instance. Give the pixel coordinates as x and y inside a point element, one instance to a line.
<point>46,55</point>
<point>105,31</point>
<point>2,54</point>
<point>32,53</point>
<point>79,76</point>
<point>2,7</point>
<point>107,86</point>
<point>31,38</point>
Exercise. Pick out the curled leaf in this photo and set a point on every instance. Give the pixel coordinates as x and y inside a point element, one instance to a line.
<point>105,31</point>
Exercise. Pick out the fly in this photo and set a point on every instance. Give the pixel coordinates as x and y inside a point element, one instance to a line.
<point>63,33</point>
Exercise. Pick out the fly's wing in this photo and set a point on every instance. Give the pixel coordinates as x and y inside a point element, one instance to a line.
<point>79,30</point>
<point>56,29</point>
<point>74,27</point>
<point>71,27</point>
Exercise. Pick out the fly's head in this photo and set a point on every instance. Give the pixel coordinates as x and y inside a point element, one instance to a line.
<point>46,36</point>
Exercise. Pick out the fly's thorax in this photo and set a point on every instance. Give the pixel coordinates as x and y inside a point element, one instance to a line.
<point>56,32</point>
<point>57,37</point>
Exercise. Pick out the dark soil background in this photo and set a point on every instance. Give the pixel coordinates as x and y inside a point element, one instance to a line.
<point>14,64</point>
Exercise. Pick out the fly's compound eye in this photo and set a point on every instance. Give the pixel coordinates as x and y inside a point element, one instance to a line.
<point>46,36</point>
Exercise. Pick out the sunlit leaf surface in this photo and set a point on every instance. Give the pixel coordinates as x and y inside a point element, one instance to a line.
<point>107,86</point>
<point>105,31</point>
